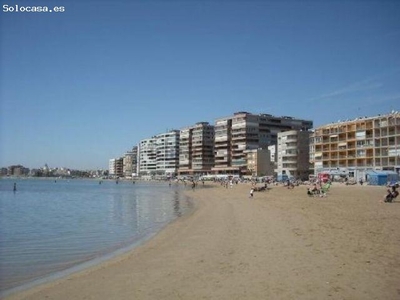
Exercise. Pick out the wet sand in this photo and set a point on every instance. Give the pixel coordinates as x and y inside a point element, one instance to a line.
<point>281,244</point>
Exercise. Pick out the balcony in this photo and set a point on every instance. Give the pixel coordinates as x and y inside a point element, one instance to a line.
<point>289,146</point>
<point>289,160</point>
<point>222,145</point>
<point>221,153</point>
<point>238,162</point>
<point>290,154</point>
<point>221,138</point>
<point>238,137</point>
<point>221,160</point>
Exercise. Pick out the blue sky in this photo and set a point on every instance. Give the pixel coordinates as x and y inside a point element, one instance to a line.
<point>80,87</point>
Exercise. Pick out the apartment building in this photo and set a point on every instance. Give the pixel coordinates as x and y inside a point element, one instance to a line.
<point>147,156</point>
<point>293,154</point>
<point>130,162</point>
<point>15,170</point>
<point>167,153</point>
<point>115,167</point>
<point>196,149</point>
<point>353,147</point>
<point>159,155</point>
<point>111,167</point>
<point>246,131</point>
<point>259,162</point>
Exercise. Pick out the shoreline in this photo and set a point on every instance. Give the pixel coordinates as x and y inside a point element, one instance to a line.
<point>26,290</point>
<point>280,245</point>
<point>66,268</point>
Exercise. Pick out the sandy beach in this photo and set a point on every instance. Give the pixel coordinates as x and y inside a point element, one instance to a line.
<point>281,244</point>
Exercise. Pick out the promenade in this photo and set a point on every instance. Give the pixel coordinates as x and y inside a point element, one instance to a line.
<point>281,244</point>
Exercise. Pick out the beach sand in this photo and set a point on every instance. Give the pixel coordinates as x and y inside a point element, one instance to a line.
<point>281,244</point>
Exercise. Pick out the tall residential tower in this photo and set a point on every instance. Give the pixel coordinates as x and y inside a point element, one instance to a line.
<point>246,131</point>
<point>196,149</point>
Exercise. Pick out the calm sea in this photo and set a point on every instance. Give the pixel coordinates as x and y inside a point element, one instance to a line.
<point>49,226</point>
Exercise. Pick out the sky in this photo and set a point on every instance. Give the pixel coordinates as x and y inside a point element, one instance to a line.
<point>82,86</point>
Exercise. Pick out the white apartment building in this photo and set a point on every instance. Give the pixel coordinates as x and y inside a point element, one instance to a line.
<point>115,167</point>
<point>111,167</point>
<point>147,157</point>
<point>167,153</point>
<point>159,155</point>
<point>293,154</point>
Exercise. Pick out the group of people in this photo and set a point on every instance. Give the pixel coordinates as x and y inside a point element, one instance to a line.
<point>318,189</point>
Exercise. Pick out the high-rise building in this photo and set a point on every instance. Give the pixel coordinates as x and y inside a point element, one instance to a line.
<point>159,155</point>
<point>130,162</point>
<point>111,167</point>
<point>196,149</point>
<point>115,167</point>
<point>135,159</point>
<point>293,153</point>
<point>353,147</point>
<point>147,157</point>
<point>246,131</point>
<point>167,153</point>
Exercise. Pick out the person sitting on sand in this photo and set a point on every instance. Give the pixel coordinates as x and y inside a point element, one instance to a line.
<point>391,194</point>
<point>315,190</point>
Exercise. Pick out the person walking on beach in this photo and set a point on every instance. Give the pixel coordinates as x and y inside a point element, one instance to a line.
<point>251,192</point>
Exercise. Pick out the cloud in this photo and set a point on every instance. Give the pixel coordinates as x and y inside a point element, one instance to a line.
<point>360,86</point>
<point>371,83</point>
<point>380,100</point>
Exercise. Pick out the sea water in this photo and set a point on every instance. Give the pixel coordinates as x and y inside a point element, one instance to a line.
<point>51,225</point>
